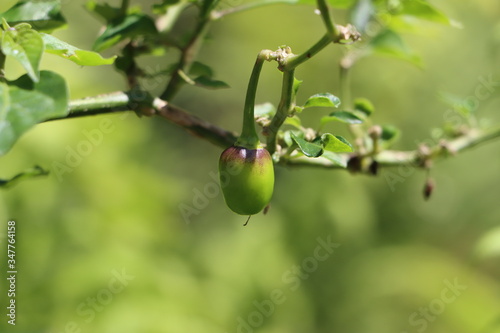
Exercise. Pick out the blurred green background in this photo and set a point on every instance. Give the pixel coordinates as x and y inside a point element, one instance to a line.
<point>400,264</point>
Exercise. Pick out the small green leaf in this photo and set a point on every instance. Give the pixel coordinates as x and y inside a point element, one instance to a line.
<point>390,134</point>
<point>200,69</point>
<point>36,171</point>
<point>308,148</point>
<point>296,85</point>
<point>24,104</point>
<point>209,83</point>
<point>130,26</point>
<point>389,43</point>
<point>322,100</point>
<point>26,46</point>
<point>336,144</point>
<point>287,137</point>
<point>70,52</point>
<point>424,10</point>
<point>43,15</point>
<point>364,105</point>
<point>264,110</point>
<point>294,121</point>
<point>204,77</point>
<point>337,159</point>
<point>342,116</point>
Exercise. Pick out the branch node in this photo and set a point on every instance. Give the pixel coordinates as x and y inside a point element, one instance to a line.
<point>347,34</point>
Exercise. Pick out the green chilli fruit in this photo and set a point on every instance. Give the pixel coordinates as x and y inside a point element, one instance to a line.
<point>246,178</point>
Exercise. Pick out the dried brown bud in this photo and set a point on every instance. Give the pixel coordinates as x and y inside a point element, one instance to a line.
<point>354,164</point>
<point>373,168</point>
<point>428,188</point>
<point>375,132</point>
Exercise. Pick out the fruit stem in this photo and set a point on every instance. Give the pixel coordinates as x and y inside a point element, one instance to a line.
<point>248,219</point>
<point>249,138</point>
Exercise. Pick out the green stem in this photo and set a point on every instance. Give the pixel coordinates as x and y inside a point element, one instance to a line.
<point>124,7</point>
<point>327,19</point>
<point>108,101</point>
<point>188,54</point>
<point>249,138</point>
<point>294,61</point>
<point>284,108</point>
<point>345,91</point>
<point>2,67</point>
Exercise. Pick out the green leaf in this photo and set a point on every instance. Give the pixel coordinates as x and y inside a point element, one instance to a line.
<point>43,15</point>
<point>104,11</point>
<point>26,46</point>
<point>264,110</point>
<point>389,43</point>
<point>24,104</point>
<point>309,149</point>
<point>209,83</point>
<point>296,85</point>
<point>322,100</point>
<point>80,57</point>
<point>342,116</point>
<point>287,137</point>
<point>294,121</point>
<point>424,10</point>
<point>364,105</point>
<point>390,134</point>
<point>336,159</point>
<point>200,69</point>
<point>36,171</point>
<point>336,144</point>
<point>130,26</point>
<point>204,77</point>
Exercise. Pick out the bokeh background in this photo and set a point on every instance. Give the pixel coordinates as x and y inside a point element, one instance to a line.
<point>399,264</point>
